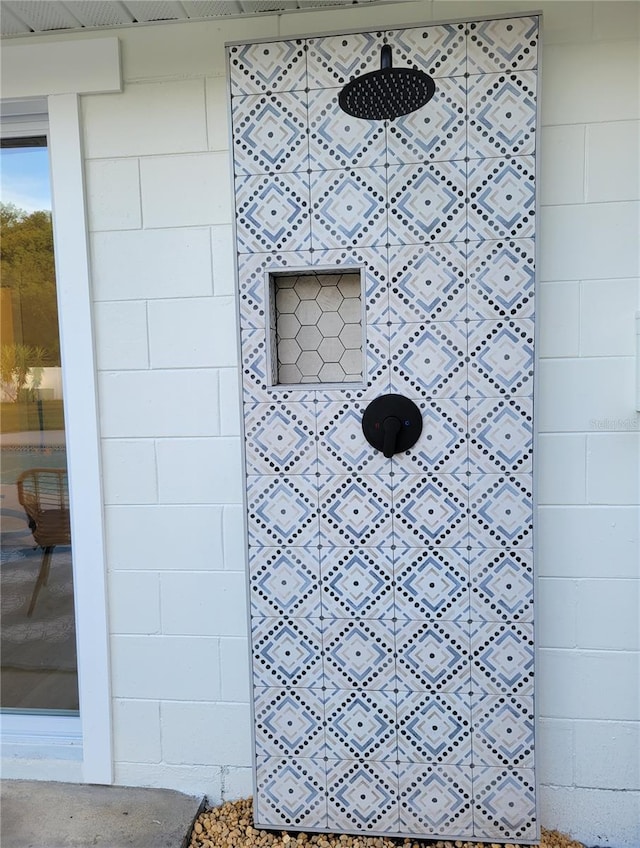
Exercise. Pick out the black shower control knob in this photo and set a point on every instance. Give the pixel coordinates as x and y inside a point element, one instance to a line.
<point>391,427</point>
<point>392,424</point>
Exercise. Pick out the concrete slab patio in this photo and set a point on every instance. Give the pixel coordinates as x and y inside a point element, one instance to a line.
<point>37,814</point>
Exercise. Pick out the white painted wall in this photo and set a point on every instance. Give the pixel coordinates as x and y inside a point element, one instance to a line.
<point>158,182</point>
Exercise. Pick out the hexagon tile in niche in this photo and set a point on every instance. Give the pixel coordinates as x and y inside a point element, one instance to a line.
<point>318,327</point>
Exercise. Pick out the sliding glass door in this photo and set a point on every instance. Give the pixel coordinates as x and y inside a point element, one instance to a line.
<point>37,626</point>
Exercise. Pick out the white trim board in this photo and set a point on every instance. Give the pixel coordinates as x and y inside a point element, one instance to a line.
<point>61,67</point>
<point>83,442</point>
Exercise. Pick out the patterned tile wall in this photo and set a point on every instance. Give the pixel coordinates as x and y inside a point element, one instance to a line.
<point>392,599</point>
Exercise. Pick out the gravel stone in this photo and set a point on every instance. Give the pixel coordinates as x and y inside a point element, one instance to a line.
<point>231,826</point>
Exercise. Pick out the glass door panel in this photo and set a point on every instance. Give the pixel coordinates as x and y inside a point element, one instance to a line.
<point>37,626</point>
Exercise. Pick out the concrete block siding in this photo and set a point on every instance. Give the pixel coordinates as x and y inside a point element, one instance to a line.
<point>588,449</point>
<point>160,215</point>
<point>160,219</point>
<point>158,192</point>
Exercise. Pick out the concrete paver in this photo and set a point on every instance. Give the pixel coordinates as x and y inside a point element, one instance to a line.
<point>38,814</point>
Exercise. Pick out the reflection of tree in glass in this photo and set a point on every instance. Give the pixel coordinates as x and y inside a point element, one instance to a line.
<point>27,277</point>
<point>19,362</point>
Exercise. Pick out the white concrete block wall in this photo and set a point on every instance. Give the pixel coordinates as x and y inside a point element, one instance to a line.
<point>162,253</point>
<point>158,185</point>
<point>589,442</point>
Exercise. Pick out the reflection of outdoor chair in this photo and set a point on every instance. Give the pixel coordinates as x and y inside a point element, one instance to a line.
<point>44,495</point>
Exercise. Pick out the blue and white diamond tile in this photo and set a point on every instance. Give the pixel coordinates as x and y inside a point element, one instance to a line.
<point>400,635</point>
<point>275,66</point>
<point>361,725</point>
<point>289,722</point>
<point>280,438</point>
<point>348,208</point>
<point>342,447</point>
<point>502,114</point>
<point>362,796</point>
<point>501,279</point>
<point>282,511</point>
<point>430,510</point>
<point>359,654</point>
<point>502,658</point>
<point>431,583</point>
<point>335,59</point>
<point>255,376</point>
<point>505,804</point>
<point>357,582</point>
<point>501,198</point>
<point>272,213</point>
<point>500,434</point>
<point>286,652</point>
<point>252,286</point>
<point>427,202</point>
<point>500,510</point>
<point>428,360</point>
<point>501,584</point>
<point>355,510</point>
<point>376,278</point>
<point>436,801</point>
<point>285,582</point>
<point>503,730</point>
<point>338,140</point>
<point>290,792</point>
<point>439,51</point>
<point>427,282</point>
<point>432,656</point>
<point>270,133</point>
<point>507,44</point>
<point>435,133</point>
<point>442,446</point>
<point>500,358</point>
<point>434,728</point>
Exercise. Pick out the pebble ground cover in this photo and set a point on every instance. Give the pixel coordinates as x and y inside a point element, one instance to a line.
<point>231,826</point>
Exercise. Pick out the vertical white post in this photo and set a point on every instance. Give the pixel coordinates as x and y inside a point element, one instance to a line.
<point>83,440</point>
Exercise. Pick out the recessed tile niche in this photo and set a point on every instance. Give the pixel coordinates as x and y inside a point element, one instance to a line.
<point>317,317</point>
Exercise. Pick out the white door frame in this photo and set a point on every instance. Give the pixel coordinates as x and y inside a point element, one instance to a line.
<point>61,72</point>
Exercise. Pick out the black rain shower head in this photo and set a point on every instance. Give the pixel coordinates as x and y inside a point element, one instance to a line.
<point>387,93</point>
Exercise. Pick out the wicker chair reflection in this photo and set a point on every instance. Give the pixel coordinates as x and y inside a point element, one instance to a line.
<point>44,496</point>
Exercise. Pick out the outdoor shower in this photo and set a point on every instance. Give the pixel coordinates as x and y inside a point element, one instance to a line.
<point>387,93</point>
<point>386,311</point>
